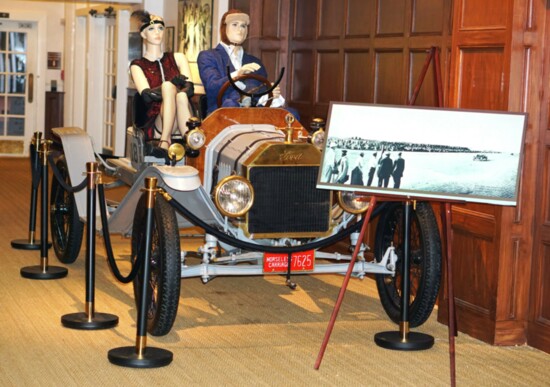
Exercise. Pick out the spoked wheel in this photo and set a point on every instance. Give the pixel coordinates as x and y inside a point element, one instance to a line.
<point>425,261</point>
<point>66,227</point>
<point>163,289</point>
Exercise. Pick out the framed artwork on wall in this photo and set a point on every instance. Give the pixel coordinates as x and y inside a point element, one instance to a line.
<point>169,39</point>
<point>195,28</point>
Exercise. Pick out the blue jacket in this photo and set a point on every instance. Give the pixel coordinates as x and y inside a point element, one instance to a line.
<point>213,72</point>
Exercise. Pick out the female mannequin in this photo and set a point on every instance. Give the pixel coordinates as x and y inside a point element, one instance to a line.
<point>162,80</point>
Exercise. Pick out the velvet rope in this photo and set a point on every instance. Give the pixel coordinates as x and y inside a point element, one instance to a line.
<point>108,246</point>
<point>61,179</point>
<point>255,247</point>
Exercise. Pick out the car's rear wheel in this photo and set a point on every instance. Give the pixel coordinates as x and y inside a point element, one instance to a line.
<point>425,261</point>
<point>65,225</point>
<point>163,288</point>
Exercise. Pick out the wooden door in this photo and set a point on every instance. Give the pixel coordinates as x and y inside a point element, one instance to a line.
<point>538,31</point>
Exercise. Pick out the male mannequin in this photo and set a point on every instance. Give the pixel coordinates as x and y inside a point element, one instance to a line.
<point>229,52</point>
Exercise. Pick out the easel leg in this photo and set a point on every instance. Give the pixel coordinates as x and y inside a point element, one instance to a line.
<point>336,309</point>
<point>450,293</point>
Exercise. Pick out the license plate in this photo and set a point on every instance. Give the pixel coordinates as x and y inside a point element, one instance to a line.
<point>278,262</point>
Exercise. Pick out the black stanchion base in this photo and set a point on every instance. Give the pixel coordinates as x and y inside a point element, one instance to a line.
<point>414,342</point>
<point>35,272</point>
<point>151,358</point>
<point>24,244</point>
<point>81,321</point>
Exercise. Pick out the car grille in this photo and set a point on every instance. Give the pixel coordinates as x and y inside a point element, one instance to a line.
<point>286,202</point>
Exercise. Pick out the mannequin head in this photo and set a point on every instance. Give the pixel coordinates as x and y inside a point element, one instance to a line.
<point>153,34</point>
<point>234,27</point>
<point>151,27</point>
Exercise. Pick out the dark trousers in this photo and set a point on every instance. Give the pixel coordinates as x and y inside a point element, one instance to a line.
<point>385,180</point>
<point>396,181</point>
<point>371,176</point>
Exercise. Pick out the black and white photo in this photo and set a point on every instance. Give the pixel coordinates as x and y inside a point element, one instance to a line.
<point>449,154</point>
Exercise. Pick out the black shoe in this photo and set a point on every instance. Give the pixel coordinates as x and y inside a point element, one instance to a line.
<point>160,153</point>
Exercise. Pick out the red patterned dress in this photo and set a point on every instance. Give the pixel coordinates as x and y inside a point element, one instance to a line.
<point>156,72</point>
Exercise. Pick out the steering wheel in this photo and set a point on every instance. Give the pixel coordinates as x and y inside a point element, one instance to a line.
<point>254,96</point>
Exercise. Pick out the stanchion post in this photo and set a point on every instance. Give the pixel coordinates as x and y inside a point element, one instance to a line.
<point>31,243</point>
<point>44,270</point>
<point>141,356</point>
<point>90,320</point>
<point>404,340</point>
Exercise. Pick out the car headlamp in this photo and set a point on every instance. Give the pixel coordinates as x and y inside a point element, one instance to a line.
<point>318,139</point>
<point>353,203</point>
<point>195,139</point>
<point>234,196</point>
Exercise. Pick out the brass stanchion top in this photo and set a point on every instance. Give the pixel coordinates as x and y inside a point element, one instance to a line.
<point>37,137</point>
<point>92,171</point>
<point>44,149</point>
<point>151,189</point>
<point>91,167</point>
<point>151,183</point>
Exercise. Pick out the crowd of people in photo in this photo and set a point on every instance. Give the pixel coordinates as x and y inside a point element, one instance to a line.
<point>373,170</point>
<point>356,143</point>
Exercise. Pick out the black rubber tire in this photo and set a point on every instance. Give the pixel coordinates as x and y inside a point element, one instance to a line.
<point>425,261</point>
<point>65,225</point>
<point>164,283</point>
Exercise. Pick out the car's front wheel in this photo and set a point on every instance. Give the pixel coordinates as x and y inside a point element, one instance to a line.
<point>163,287</point>
<point>65,225</point>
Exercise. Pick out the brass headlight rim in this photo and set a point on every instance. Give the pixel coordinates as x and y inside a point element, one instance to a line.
<point>176,151</point>
<point>192,131</point>
<point>317,133</point>
<point>221,184</point>
<point>346,208</point>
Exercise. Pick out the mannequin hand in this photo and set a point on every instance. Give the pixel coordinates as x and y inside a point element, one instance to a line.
<point>248,68</point>
<point>179,81</point>
<point>276,92</point>
<point>149,96</point>
<point>188,89</point>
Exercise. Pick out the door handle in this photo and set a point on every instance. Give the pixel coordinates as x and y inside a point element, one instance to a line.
<point>31,88</point>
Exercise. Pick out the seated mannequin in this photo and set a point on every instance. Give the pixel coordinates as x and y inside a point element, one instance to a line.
<point>161,78</point>
<point>229,52</point>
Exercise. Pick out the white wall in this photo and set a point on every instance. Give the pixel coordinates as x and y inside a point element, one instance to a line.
<point>54,30</point>
<point>59,37</point>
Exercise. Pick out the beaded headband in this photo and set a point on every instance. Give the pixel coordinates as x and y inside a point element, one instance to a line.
<point>154,20</point>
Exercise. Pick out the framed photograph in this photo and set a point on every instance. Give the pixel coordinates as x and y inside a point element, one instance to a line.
<point>445,154</point>
<point>169,39</point>
<point>195,28</point>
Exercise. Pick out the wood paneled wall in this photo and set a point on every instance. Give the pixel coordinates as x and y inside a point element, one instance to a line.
<point>494,56</point>
<point>363,51</point>
<point>498,64</point>
<point>353,50</point>
<point>533,50</point>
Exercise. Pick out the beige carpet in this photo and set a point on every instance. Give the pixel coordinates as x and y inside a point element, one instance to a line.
<point>231,332</point>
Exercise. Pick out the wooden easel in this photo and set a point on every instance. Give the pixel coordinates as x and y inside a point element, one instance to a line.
<point>433,57</point>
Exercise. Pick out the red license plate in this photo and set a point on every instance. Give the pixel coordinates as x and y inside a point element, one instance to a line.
<point>278,262</point>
